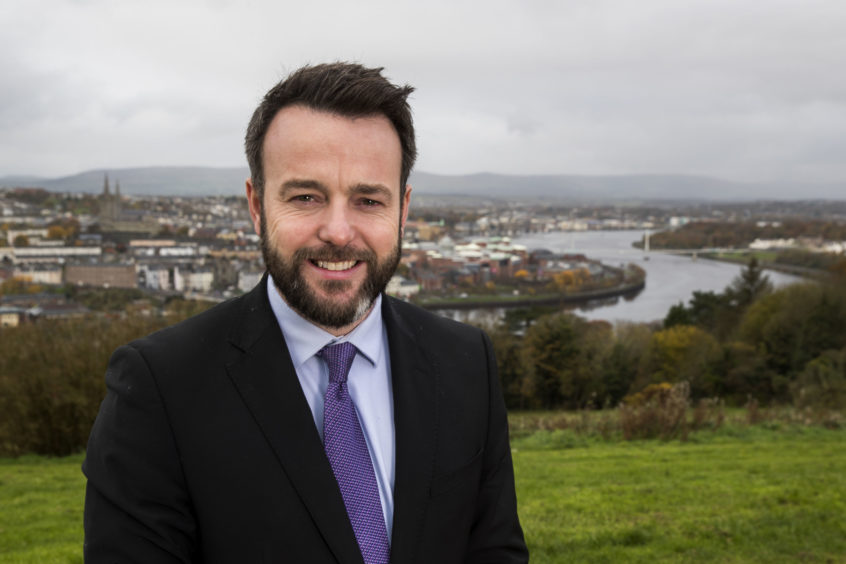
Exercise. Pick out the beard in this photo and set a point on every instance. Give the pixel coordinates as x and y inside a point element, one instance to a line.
<point>287,275</point>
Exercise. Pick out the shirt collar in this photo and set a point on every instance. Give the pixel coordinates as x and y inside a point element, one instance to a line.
<point>304,339</point>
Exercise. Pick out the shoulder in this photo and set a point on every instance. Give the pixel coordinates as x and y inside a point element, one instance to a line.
<point>207,332</point>
<point>429,326</point>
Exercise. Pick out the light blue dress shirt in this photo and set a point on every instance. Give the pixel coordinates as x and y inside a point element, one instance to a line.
<point>369,383</point>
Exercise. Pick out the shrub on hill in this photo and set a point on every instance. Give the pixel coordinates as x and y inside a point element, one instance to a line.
<point>52,378</point>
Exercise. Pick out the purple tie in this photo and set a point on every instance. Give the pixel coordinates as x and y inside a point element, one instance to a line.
<point>350,459</point>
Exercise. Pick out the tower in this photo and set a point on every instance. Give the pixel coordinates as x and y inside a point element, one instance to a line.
<point>109,203</point>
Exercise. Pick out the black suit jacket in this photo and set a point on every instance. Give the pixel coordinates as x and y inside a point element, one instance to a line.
<point>205,449</point>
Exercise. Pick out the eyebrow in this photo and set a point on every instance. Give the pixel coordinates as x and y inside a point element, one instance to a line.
<point>303,184</point>
<point>372,189</point>
<point>361,188</point>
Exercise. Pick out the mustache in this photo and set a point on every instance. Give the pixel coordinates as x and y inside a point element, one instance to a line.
<point>333,254</point>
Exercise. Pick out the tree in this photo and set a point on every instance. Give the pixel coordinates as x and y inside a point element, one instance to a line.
<point>550,349</point>
<point>707,310</point>
<point>677,315</point>
<point>582,385</point>
<point>749,285</point>
<point>720,313</point>
<point>564,357</point>
<point>794,325</point>
<point>620,368</point>
<point>682,353</point>
<point>823,382</point>
<point>745,374</point>
<point>839,268</point>
<point>56,232</point>
<point>509,359</point>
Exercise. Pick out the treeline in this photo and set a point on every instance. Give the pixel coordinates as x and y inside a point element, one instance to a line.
<point>702,234</point>
<point>828,262</point>
<point>52,376</point>
<point>749,342</point>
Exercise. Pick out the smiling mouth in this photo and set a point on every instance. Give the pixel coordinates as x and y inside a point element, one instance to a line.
<point>335,266</point>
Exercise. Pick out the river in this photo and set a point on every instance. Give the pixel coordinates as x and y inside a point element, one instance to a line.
<point>670,279</point>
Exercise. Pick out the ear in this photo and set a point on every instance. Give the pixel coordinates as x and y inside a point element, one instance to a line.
<point>255,203</point>
<point>404,207</point>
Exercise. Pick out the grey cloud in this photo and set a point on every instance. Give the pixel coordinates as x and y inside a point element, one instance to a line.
<point>746,90</point>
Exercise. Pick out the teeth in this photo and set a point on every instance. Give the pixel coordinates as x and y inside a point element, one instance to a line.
<point>346,265</point>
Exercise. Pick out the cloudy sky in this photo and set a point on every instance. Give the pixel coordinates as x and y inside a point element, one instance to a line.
<point>751,90</point>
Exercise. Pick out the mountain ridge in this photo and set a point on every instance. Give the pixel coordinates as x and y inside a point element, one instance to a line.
<point>229,181</point>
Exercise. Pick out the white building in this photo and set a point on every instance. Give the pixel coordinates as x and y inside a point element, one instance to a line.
<point>402,287</point>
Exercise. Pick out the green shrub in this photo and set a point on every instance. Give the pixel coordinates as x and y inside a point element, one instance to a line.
<point>52,380</point>
<point>823,382</point>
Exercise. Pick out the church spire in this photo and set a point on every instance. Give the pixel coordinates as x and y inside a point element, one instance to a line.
<point>106,184</point>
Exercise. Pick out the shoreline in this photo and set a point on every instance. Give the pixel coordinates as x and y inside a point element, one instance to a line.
<point>474,302</point>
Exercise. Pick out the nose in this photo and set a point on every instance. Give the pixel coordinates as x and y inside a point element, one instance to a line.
<point>337,228</point>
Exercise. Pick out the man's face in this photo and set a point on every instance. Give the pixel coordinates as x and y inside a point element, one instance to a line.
<point>330,219</point>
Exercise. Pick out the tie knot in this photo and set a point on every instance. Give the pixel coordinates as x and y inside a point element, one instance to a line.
<point>338,358</point>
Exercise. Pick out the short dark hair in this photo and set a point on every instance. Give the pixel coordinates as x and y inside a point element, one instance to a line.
<point>346,89</point>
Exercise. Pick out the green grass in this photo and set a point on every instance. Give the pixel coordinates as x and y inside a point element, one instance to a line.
<point>772,493</point>
<point>734,495</point>
<point>41,510</point>
<point>744,255</point>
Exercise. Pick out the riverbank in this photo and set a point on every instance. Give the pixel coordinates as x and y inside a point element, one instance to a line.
<point>672,278</point>
<point>742,258</point>
<point>470,301</point>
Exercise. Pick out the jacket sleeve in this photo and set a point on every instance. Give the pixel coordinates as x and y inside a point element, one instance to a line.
<point>137,507</point>
<point>496,536</point>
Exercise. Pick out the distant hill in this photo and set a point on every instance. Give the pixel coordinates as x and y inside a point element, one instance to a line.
<point>644,187</point>
<point>202,181</point>
<point>147,181</point>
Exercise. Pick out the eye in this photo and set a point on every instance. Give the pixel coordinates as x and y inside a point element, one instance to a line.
<point>303,198</point>
<point>369,202</point>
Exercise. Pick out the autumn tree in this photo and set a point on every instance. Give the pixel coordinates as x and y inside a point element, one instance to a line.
<point>56,232</point>
<point>681,353</point>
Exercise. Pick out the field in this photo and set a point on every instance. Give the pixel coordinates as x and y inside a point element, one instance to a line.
<point>766,493</point>
<point>755,495</point>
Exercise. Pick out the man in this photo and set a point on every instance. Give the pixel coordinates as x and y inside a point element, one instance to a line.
<point>237,435</point>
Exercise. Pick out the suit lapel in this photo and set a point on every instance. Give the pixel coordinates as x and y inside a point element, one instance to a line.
<point>415,387</point>
<point>268,384</point>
